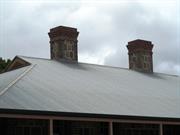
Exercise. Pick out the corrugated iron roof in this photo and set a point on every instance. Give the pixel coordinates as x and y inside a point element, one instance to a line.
<point>87,88</point>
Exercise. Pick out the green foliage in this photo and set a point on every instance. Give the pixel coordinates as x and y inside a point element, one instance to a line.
<point>3,64</point>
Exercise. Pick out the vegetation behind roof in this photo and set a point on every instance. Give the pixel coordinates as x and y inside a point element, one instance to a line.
<point>3,64</point>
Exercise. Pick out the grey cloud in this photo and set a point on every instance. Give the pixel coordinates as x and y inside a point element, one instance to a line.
<point>161,31</point>
<point>25,29</point>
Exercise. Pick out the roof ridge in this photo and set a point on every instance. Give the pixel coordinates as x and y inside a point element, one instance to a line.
<point>21,56</point>
<point>109,66</point>
<point>17,79</point>
<point>106,66</point>
<point>93,64</point>
<point>175,75</point>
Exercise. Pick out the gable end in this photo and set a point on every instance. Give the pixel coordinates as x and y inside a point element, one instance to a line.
<point>17,63</point>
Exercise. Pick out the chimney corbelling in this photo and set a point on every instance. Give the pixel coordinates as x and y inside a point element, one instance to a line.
<point>140,55</point>
<point>63,43</point>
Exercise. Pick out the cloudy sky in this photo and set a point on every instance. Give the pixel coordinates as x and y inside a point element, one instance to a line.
<point>105,28</point>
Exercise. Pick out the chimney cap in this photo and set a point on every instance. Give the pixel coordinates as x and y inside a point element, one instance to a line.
<point>62,28</point>
<point>63,31</point>
<point>140,44</point>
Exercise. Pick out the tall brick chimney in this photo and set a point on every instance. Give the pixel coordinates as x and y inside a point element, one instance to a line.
<point>140,55</point>
<point>63,43</point>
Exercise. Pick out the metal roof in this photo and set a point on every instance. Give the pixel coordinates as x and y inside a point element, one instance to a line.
<point>48,85</point>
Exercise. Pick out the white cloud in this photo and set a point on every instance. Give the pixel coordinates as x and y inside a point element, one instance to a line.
<point>97,57</point>
<point>169,67</point>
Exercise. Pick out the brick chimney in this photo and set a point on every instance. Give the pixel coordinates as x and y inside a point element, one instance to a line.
<point>140,55</point>
<point>63,43</point>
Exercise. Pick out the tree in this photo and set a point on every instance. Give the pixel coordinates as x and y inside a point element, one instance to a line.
<point>3,64</point>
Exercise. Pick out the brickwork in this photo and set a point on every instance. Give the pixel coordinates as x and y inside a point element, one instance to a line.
<point>140,55</point>
<point>63,43</point>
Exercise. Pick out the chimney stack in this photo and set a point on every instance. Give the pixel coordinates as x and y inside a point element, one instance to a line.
<point>140,55</point>
<point>63,43</point>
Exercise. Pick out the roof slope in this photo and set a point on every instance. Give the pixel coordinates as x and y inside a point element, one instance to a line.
<point>85,88</point>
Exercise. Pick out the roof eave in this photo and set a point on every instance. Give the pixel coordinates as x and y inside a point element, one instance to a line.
<point>86,115</point>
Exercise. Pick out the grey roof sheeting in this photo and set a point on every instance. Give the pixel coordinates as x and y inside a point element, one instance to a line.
<point>8,77</point>
<point>86,88</point>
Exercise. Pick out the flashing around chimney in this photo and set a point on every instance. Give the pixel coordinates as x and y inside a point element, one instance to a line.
<point>140,55</point>
<point>63,43</point>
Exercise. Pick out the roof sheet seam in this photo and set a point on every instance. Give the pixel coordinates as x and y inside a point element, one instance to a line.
<point>17,79</point>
